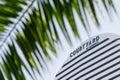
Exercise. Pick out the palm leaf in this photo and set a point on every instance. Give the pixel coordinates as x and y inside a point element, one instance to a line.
<point>33,35</point>
<point>8,10</point>
<point>1,76</point>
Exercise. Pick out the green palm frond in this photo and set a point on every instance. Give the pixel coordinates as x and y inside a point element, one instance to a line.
<point>8,10</point>
<point>1,76</point>
<point>32,35</point>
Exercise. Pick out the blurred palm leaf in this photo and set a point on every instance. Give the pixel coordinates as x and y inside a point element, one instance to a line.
<point>33,35</point>
<point>8,10</point>
<point>1,76</point>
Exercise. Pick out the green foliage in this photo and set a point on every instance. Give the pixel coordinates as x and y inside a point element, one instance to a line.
<point>38,30</point>
<point>1,76</point>
<point>9,9</point>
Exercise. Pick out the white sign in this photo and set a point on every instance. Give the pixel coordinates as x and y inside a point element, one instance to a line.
<point>96,59</point>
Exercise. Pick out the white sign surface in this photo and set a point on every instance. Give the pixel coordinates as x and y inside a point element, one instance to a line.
<point>96,59</point>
